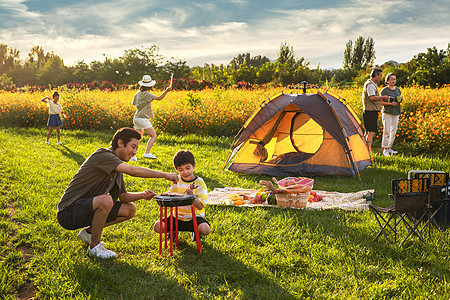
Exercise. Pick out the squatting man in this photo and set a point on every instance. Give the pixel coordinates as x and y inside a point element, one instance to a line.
<point>97,196</point>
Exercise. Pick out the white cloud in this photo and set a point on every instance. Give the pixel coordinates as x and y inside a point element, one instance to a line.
<point>196,33</point>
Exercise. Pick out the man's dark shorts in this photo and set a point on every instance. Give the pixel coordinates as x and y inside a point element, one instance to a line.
<point>80,214</point>
<point>370,119</point>
<point>185,225</point>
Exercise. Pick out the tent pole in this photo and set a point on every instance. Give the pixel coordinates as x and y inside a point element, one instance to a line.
<point>359,175</point>
<point>233,144</point>
<point>371,156</point>
<point>349,153</point>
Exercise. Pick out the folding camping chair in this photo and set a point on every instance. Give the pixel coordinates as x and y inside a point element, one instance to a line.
<point>410,197</point>
<point>438,196</point>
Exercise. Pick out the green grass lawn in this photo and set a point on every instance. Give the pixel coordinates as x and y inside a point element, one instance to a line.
<point>252,253</point>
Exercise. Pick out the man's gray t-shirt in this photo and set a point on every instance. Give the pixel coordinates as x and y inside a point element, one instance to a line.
<point>95,177</point>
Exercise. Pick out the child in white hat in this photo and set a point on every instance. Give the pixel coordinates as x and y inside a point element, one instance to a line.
<point>143,102</point>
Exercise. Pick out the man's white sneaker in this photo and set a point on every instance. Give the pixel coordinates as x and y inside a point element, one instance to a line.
<point>48,143</point>
<point>84,236</point>
<point>134,158</point>
<point>386,153</point>
<point>149,155</point>
<point>100,251</point>
<point>392,151</point>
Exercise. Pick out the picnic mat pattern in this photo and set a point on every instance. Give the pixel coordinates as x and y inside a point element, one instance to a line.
<point>330,200</point>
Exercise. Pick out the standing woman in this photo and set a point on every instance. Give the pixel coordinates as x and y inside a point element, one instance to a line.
<point>390,113</point>
<point>54,120</point>
<point>143,102</point>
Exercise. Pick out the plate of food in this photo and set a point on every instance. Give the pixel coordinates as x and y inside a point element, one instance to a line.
<point>170,199</point>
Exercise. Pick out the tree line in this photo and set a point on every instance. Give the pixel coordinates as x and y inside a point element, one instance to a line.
<point>41,68</point>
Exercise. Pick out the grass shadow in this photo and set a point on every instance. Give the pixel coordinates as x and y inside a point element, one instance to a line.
<point>67,152</point>
<point>116,279</point>
<point>231,278</point>
<point>342,226</point>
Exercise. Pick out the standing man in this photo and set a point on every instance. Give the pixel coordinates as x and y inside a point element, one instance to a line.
<point>372,102</point>
<point>97,197</point>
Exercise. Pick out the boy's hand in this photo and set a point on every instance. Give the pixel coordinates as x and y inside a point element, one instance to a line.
<point>148,194</point>
<point>190,189</point>
<point>172,177</point>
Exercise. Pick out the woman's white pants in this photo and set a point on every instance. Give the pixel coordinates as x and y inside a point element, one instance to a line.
<point>390,123</point>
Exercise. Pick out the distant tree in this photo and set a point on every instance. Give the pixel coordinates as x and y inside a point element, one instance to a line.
<point>237,61</point>
<point>81,72</point>
<point>344,77</point>
<point>5,81</point>
<point>448,53</point>
<point>243,67</point>
<point>258,61</point>
<point>359,56</point>
<point>54,72</point>
<point>245,73</point>
<point>110,69</point>
<point>289,69</point>
<point>286,55</point>
<point>24,75</point>
<point>347,63</point>
<point>9,57</point>
<point>207,73</point>
<point>140,61</point>
<point>178,67</point>
<point>219,75</point>
<point>198,72</point>
<point>400,71</point>
<point>430,68</point>
<point>266,73</point>
<point>27,73</point>
<point>37,57</point>
<point>369,53</point>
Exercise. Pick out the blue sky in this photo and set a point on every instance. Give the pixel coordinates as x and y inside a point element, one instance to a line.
<point>216,31</point>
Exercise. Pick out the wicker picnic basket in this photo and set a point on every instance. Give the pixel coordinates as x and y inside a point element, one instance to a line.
<point>292,200</point>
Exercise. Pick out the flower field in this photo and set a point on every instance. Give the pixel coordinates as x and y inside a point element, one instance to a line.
<point>424,123</point>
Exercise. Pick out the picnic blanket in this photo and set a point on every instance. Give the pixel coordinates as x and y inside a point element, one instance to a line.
<point>330,200</point>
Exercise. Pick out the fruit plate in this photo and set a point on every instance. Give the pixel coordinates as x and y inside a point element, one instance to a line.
<point>174,201</point>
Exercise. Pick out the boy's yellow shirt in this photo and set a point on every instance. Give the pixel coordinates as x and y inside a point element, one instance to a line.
<point>184,212</point>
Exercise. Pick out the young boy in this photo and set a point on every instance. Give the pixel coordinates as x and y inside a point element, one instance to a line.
<point>188,183</point>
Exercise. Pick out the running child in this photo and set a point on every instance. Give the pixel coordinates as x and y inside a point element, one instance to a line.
<point>143,102</point>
